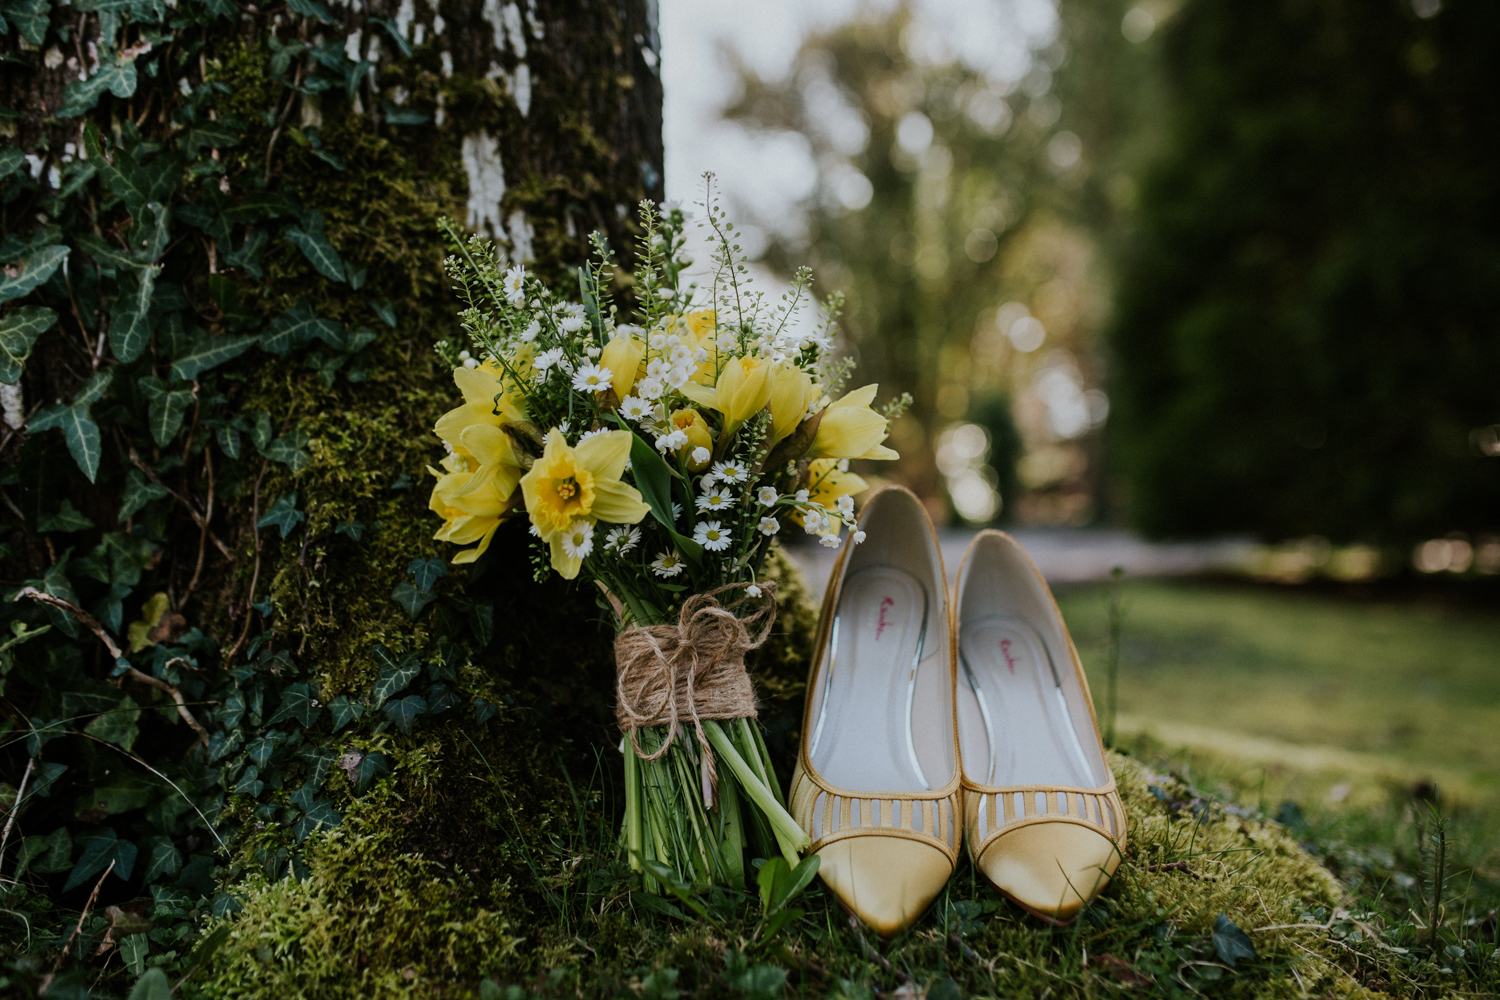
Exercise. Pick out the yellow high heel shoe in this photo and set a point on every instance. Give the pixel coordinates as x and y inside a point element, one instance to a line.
<point>877,781</point>
<point>1041,815</point>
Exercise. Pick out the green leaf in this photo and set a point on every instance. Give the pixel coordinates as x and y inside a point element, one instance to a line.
<point>386,311</point>
<point>427,572</point>
<point>312,8</point>
<point>98,852</point>
<point>352,529</point>
<point>152,986</point>
<point>405,711</point>
<point>35,268</point>
<point>780,884</point>
<point>229,440</point>
<point>344,711</point>
<point>411,599</point>
<point>393,676</point>
<point>297,326</point>
<point>130,189</point>
<point>1231,943</point>
<point>209,134</point>
<point>82,436</point>
<point>105,254</point>
<point>18,332</point>
<point>94,389</point>
<point>356,276</point>
<point>404,116</point>
<point>130,316</point>
<point>53,853</point>
<point>67,518</point>
<point>167,409</point>
<point>30,19</point>
<point>319,813</point>
<point>152,232</point>
<point>288,449</point>
<point>370,767</point>
<point>296,703</point>
<point>283,514</point>
<point>210,352</point>
<point>133,949</point>
<point>316,248</point>
<point>138,492</point>
<point>248,255</point>
<point>653,479</point>
<point>164,859</point>
<point>11,159</point>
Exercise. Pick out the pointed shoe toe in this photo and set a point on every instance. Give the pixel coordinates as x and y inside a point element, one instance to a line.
<point>1051,869</point>
<point>887,882</point>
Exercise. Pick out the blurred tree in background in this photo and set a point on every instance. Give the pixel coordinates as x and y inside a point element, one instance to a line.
<point>1304,336</point>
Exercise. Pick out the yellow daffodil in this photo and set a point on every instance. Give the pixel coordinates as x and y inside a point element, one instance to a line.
<point>743,389</point>
<point>569,485</point>
<point>622,356</point>
<point>691,423</point>
<point>471,518</point>
<point>791,392</point>
<point>490,397</point>
<point>826,484</point>
<point>850,429</point>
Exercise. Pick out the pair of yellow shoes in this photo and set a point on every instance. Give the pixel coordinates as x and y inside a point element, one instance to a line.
<point>933,721</point>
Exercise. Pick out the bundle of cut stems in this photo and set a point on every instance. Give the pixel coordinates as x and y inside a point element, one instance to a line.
<point>668,818</point>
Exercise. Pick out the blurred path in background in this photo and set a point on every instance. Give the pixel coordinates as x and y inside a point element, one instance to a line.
<point>1065,555</point>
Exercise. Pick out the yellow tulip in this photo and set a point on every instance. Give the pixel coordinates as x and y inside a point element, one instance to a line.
<point>850,429</point>
<point>490,398</point>
<point>743,389</point>
<point>476,521</point>
<point>791,391</point>
<point>622,356</point>
<point>691,423</point>
<point>569,484</point>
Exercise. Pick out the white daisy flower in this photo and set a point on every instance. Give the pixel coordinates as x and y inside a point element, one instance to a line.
<point>711,535</point>
<point>769,526</point>
<point>621,540</point>
<point>649,388</point>
<point>701,455</point>
<point>572,309</point>
<point>635,408</point>
<point>731,471</point>
<point>667,564</point>
<point>767,496</point>
<point>595,433</point>
<point>676,511</point>
<point>670,442</point>
<point>578,540</point>
<point>532,329</point>
<point>571,324</point>
<point>593,350</point>
<point>545,361</point>
<point>515,285</point>
<point>846,506</point>
<point>829,541</point>
<point>592,378</point>
<point>715,500</point>
<point>859,536</point>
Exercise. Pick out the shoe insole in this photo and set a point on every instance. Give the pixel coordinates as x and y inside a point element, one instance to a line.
<point>862,736</point>
<point>1013,720</point>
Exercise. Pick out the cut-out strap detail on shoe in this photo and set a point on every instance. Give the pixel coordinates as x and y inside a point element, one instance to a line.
<point>829,814</point>
<point>990,811</point>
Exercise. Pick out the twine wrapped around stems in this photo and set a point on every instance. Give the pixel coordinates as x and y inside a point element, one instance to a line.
<point>692,669</point>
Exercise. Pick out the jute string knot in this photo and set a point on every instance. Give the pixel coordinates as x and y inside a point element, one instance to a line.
<point>693,669</point>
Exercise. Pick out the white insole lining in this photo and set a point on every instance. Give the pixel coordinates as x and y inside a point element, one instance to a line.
<point>1013,719</point>
<point>862,738</point>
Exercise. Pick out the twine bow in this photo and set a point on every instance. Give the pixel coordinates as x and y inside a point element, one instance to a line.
<point>694,668</point>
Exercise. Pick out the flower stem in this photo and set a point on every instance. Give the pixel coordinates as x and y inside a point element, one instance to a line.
<point>790,836</point>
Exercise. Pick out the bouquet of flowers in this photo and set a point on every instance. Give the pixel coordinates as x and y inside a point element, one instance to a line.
<point>659,454</point>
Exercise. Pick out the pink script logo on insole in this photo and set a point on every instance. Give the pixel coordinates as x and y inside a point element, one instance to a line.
<point>886,603</point>
<point>1010,661</point>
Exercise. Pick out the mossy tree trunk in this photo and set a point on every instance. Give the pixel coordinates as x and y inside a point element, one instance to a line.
<point>266,186</point>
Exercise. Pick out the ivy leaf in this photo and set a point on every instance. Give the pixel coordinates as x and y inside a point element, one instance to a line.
<point>356,277</point>
<point>260,750</point>
<point>405,711</point>
<point>106,255</point>
<point>210,352</point>
<point>30,19</point>
<point>393,677</point>
<point>164,859</point>
<point>440,698</point>
<point>18,332</point>
<point>130,316</point>
<point>210,134</point>
<point>153,983</point>
<point>167,409</point>
<point>370,767</point>
<point>484,711</point>
<point>250,783</point>
<point>296,703</point>
<point>79,430</point>
<point>11,159</point>
<point>297,326</point>
<point>283,514</point>
<point>118,725</point>
<point>247,256</point>
<point>386,311</point>
<point>67,518</point>
<point>352,529</point>
<point>288,449</point>
<point>1231,943</point>
<point>344,711</point>
<point>319,814</point>
<point>152,231</point>
<point>316,248</point>
<point>309,8</point>
<point>404,116</point>
<point>55,851</point>
<point>229,440</point>
<point>35,268</point>
<point>98,852</point>
<point>426,572</point>
<point>411,599</point>
<point>139,491</point>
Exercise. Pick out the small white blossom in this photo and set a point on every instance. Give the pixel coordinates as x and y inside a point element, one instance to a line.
<point>571,324</point>
<point>667,564</point>
<point>846,506</point>
<point>534,533</point>
<point>578,540</point>
<point>859,536</point>
<point>593,350</point>
<point>649,388</point>
<point>515,285</point>
<point>592,378</point>
<point>676,511</point>
<point>658,341</point>
<point>667,293</point>
<point>532,329</point>
<point>680,354</point>
<point>701,455</point>
<point>731,471</point>
<point>767,496</point>
<point>815,523</point>
<point>829,541</point>
<point>711,535</point>
<point>678,377</point>
<point>715,500</point>
<point>463,355</point>
<point>843,465</point>
<point>656,368</point>
<point>470,363</point>
<point>621,540</point>
<point>753,590</point>
<point>671,441</point>
<point>547,359</point>
<point>769,526</point>
<point>726,341</point>
<point>802,496</point>
<point>700,356</point>
<point>635,408</point>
